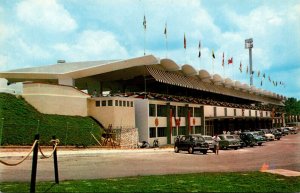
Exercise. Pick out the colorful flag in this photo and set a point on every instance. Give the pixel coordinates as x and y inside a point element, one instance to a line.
<point>165,31</point>
<point>199,49</point>
<point>230,61</point>
<point>223,60</point>
<point>241,67</point>
<point>144,23</point>
<point>184,41</point>
<point>213,54</point>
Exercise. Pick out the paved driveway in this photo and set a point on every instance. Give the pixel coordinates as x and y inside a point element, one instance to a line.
<point>94,164</point>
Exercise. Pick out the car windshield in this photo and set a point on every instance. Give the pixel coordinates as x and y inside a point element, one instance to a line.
<point>229,137</point>
<point>198,138</point>
<point>208,138</point>
<point>255,134</point>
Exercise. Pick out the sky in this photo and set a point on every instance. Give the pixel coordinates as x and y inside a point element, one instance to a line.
<point>40,32</point>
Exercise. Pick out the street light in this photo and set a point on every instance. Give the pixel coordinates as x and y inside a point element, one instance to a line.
<point>249,45</point>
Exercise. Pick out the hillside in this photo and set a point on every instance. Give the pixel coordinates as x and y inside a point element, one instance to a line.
<point>20,122</point>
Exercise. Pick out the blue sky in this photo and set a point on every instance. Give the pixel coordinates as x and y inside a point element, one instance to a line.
<point>36,33</point>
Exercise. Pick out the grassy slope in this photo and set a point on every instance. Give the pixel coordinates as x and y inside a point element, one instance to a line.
<point>21,122</point>
<point>203,182</point>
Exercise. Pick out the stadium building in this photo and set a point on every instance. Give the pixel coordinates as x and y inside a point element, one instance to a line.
<point>158,97</point>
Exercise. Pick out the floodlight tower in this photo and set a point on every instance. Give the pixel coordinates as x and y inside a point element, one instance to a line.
<point>249,45</point>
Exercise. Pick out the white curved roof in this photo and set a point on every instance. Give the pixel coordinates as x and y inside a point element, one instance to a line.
<point>169,64</point>
<point>217,79</point>
<point>237,85</point>
<point>188,70</point>
<point>204,76</point>
<point>228,82</point>
<point>245,87</point>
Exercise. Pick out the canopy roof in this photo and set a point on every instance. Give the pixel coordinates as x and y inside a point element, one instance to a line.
<point>163,70</point>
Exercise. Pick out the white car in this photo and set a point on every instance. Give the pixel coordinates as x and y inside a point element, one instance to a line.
<point>269,137</point>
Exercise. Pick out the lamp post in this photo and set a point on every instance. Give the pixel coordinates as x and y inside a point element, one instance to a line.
<point>249,45</point>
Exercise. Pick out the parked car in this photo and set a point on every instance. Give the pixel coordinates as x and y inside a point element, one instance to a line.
<point>191,143</point>
<point>259,140</point>
<point>248,139</point>
<point>292,130</point>
<point>211,142</point>
<point>228,141</point>
<point>276,133</point>
<point>242,143</point>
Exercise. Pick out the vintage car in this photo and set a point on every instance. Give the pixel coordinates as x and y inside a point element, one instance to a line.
<point>248,139</point>
<point>228,141</point>
<point>259,140</point>
<point>242,143</point>
<point>211,142</point>
<point>267,134</point>
<point>191,143</point>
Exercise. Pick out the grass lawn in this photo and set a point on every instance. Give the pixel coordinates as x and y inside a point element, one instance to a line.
<point>201,182</point>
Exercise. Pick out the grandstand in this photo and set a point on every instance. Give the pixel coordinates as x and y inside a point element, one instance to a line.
<point>157,96</point>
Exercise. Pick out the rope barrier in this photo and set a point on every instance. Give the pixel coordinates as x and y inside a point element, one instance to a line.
<point>56,142</point>
<point>15,164</point>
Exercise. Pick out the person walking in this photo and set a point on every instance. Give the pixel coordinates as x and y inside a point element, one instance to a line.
<point>216,139</point>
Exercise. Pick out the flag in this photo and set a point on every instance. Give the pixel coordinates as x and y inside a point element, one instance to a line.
<point>258,73</point>
<point>269,78</point>
<point>184,41</point>
<point>264,75</point>
<point>261,83</point>
<point>199,49</point>
<point>144,23</point>
<point>213,54</point>
<point>165,31</point>
<point>223,60</point>
<point>230,61</point>
<point>241,67</point>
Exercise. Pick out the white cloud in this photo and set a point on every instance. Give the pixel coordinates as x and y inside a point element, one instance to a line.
<point>92,45</point>
<point>46,14</point>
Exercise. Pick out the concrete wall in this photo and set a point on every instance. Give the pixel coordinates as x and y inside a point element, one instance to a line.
<point>119,116</point>
<point>141,117</point>
<point>56,99</point>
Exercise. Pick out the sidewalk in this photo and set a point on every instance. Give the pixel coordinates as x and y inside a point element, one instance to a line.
<point>62,151</point>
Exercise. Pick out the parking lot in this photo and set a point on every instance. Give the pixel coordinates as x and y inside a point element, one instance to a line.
<point>94,163</point>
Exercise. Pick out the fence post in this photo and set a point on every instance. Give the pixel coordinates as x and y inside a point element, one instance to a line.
<point>34,164</point>
<point>2,125</point>
<point>55,162</point>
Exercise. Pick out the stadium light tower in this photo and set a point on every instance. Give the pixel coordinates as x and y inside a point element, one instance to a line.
<point>249,45</point>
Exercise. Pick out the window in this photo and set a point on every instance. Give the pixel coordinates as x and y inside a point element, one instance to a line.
<point>173,110</point>
<point>116,103</point>
<point>152,112</point>
<point>182,130</point>
<point>234,112</point>
<point>97,103</point>
<point>127,103</point>
<point>255,113</point>
<point>215,111</point>
<point>109,103</point>
<point>103,103</point>
<point>152,132</point>
<point>120,103</point>
<point>197,112</point>
<point>225,112</point>
<point>249,113</point>
<point>197,129</point>
<point>131,103</point>
<point>181,111</point>
<point>191,111</point>
<point>161,131</point>
<point>124,103</point>
<point>174,131</point>
<point>161,110</point>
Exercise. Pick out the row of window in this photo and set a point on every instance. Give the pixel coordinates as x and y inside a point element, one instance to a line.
<point>234,112</point>
<point>116,103</point>
<point>156,110</point>
<point>162,131</point>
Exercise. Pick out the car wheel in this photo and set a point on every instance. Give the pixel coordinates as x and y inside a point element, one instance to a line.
<point>235,148</point>
<point>259,144</point>
<point>176,149</point>
<point>204,152</point>
<point>251,145</point>
<point>191,150</point>
<point>278,138</point>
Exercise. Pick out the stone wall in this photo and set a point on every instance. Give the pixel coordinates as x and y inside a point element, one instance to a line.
<point>128,137</point>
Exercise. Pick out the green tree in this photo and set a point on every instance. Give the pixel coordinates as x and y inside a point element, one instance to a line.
<point>292,106</point>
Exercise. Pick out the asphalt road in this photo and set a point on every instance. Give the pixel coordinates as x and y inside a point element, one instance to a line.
<point>283,154</point>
